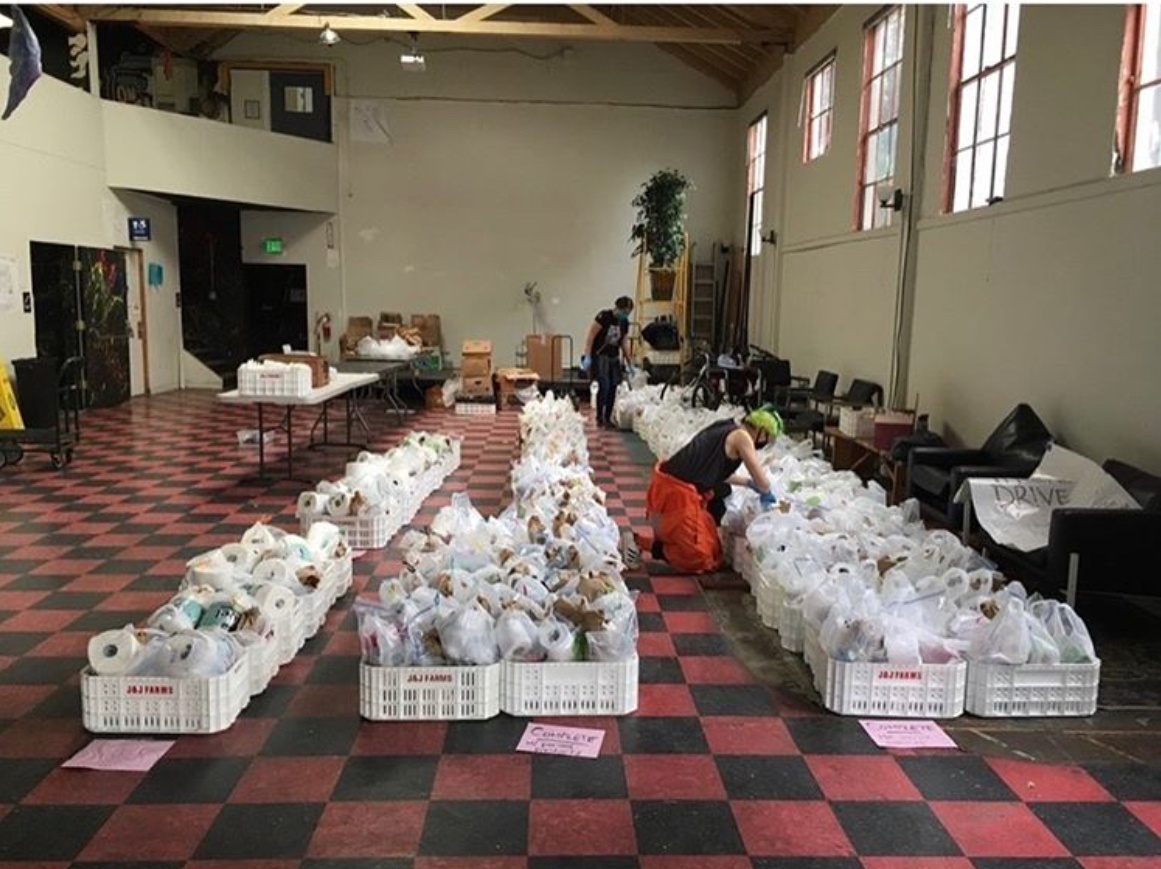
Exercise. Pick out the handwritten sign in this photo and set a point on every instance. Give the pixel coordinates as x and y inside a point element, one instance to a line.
<point>120,755</point>
<point>553,739</point>
<point>907,734</point>
<point>1018,512</point>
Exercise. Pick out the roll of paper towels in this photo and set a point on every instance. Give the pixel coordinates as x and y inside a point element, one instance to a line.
<point>274,600</point>
<point>258,535</point>
<point>323,536</point>
<point>219,576</point>
<point>311,504</point>
<point>339,504</point>
<point>274,570</point>
<point>295,548</point>
<point>241,556</point>
<point>111,653</point>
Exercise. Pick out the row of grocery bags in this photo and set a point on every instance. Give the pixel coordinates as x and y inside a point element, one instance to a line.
<point>893,618</point>
<point>243,610</point>
<point>525,612</point>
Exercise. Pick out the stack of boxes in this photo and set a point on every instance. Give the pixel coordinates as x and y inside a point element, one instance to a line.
<point>476,371</point>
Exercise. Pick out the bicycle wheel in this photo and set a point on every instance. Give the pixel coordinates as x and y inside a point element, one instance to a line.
<point>706,396</point>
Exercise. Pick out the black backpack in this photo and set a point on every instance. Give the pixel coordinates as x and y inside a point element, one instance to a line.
<point>661,334</point>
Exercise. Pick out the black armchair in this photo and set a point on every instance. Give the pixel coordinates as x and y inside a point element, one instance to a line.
<point>1097,550</point>
<point>1014,449</point>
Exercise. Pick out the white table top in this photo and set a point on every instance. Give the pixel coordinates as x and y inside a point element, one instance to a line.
<point>339,384</point>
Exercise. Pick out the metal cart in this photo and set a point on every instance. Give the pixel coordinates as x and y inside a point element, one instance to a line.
<point>58,440</point>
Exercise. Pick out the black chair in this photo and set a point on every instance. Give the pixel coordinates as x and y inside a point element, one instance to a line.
<point>1096,550</point>
<point>1014,449</point>
<point>822,392</point>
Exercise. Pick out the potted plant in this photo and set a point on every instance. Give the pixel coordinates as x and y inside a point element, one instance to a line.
<point>659,228</point>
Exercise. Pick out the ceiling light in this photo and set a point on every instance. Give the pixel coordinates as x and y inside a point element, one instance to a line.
<point>412,60</point>
<point>329,37</point>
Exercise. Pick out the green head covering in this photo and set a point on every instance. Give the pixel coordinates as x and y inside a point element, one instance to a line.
<point>765,419</point>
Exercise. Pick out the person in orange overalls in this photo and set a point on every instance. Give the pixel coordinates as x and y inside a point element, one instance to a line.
<point>686,499</point>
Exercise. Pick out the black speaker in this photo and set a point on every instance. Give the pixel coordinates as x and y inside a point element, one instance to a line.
<point>36,391</point>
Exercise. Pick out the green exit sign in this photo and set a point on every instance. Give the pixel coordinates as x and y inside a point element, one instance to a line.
<point>272,245</point>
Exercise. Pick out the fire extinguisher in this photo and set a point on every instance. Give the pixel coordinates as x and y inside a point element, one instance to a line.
<point>322,331</point>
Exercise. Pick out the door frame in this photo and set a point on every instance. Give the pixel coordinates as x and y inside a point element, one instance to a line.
<point>135,261</point>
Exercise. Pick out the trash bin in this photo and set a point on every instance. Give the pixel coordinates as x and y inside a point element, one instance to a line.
<point>36,391</point>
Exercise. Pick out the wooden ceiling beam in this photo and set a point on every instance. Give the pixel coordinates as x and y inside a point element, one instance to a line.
<point>284,10</point>
<point>181,18</point>
<point>593,15</point>
<point>771,17</point>
<point>67,16</point>
<point>738,68</point>
<point>744,56</point>
<point>416,11</point>
<point>482,13</point>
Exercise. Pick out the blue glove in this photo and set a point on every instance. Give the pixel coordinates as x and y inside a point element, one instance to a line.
<point>586,363</point>
<point>767,499</point>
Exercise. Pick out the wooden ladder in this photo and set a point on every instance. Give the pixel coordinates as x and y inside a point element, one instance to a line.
<point>646,308</point>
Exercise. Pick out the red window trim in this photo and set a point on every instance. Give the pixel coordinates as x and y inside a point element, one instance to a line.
<point>829,60</point>
<point>864,103</point>
<point>1128,92</point>
<point>956,87</point>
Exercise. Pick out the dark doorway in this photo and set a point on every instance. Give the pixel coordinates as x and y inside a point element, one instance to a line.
<point>275,308</point>
<point>80,309</point>
<point>299,105</point>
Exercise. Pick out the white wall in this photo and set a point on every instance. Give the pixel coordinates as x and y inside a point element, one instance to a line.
<point>1048,297</point>
<point>167,153</point>
<point>504,169</point>
<point>250,85</point>
<point>53,159</point>
<point>305,240</point>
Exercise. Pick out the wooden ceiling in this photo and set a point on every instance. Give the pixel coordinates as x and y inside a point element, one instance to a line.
<point>738,45</point>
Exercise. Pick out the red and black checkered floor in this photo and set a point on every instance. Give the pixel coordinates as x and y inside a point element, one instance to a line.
<point>715,771</point>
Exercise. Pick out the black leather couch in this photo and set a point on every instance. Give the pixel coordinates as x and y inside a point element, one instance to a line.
<point>1094,550</point>
<point>1014,449</point>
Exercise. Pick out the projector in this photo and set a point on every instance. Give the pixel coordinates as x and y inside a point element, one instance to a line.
<point>412,61</point>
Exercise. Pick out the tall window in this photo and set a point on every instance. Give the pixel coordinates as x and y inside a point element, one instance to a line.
<point>819,103</point>
<point>879,115</point>
<point>983,77</point>
<point>755,175</point>
<point>1139,103</point>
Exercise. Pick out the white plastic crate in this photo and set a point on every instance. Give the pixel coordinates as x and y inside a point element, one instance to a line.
<point>743,559</point>
<point>429,693</point>
<point>815,658</point>
<point>580,688</point>
<point>791,624</point>
<point>263,664</point>
<point>288,633</point>
<point>889,691</point>
<point>766,593</point>
<point>315,604</point>
<point>372,531</point>
<point>857,422</point>
<point>1032,690</point>
<point>292,381</point>
<point>133,704</point>
<point>664,357</point>
<point>471,408</point>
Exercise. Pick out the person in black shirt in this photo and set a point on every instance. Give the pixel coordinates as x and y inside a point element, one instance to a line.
<point>687,496</point>
<point>606,345</point>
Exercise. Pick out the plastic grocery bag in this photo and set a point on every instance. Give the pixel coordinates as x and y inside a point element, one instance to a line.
<point>1067,630</point>
<point>468,637</point>
<point>1005,639</point>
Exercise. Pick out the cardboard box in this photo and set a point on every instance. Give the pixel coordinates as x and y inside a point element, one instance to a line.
<point>476,347</point>
<point>320,369</point>
<point>511,380</point>
<point>387,330</point>
<point>543,355</point>
<point>891,424</point>
<point>428,326</point>
<point>386,317</point>
<point>433,398</point>
<point>357,329</point>
<point>475,386</point>
<point>476,366</point>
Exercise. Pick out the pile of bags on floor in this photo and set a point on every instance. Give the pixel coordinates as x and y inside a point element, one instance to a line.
<point>871,581</point>
<point>378,483</point>
<point>231,598</point>
<point>667,425</point>
<point>540,582</point>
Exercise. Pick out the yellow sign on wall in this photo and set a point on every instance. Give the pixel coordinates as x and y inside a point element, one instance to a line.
<point>9,409</point>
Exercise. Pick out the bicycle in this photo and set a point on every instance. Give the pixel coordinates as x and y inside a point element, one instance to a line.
<point>697,386</point>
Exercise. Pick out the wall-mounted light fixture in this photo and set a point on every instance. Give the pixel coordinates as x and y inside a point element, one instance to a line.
<point>771,237</point>
<point>329,36</point>
<point>412,59</point>
<point>889,196</point>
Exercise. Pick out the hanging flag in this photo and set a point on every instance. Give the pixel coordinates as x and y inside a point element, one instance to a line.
<point>24,61</point>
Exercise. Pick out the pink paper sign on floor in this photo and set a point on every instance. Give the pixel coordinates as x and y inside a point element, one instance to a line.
<point>907,734</point>
<point>119,755</point>
<point>554,739</point>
